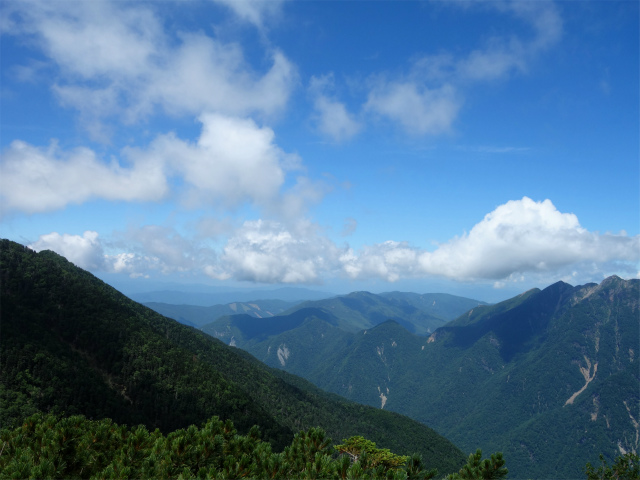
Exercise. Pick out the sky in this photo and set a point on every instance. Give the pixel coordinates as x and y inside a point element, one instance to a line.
<point>479,148</point>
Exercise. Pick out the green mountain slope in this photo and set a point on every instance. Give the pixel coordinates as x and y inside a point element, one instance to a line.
<point>315,333</point>
<point>550,377</point>
<point>72,344</point>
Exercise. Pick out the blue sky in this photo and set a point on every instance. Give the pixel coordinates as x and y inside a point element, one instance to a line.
<point>477,148</point>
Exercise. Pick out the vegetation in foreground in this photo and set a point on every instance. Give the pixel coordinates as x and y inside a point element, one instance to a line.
<point>48,446</point>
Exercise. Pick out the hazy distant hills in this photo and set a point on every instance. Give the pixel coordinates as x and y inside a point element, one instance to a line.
<point>350,313</point>
<point>550,377</point>
<point>72,344</point>
<point>206,297</point>
<point>198,316</point>
<point>418,313</point>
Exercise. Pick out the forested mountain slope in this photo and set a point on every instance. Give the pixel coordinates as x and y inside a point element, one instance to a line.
<point>71,343</point>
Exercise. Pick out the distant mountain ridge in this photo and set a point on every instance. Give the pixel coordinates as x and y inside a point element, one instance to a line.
<point>197,316</point>
<point>215,296</point>
<point>418,313</point>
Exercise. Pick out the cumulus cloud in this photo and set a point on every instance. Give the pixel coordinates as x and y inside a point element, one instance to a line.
<point>138,252</point>
<point>270,252</point>
<point>521,237</point>
<point>233,161</point>
<point>44,179</point>
<point>117,59</point>
<point>85,250</point>
<point>389,260</point>
<point>519,241</point>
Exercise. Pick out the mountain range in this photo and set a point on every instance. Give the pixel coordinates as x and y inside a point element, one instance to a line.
<point>198,316</point>
<point>72,344</point>
<point>205,296</point>
<point>550,377</point>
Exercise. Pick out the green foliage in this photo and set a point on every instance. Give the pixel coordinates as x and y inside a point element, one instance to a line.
<point>478,469</point>
<point>358,447</point>
<point>46,446</point>
<point>625,467</point>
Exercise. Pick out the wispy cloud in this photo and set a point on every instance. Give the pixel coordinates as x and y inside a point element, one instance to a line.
<point>493,149</point>
<point>428,96</point>
<point>256,12</point>
<point>419,109</point>
<point>330,115</point>
<point>117,60</point>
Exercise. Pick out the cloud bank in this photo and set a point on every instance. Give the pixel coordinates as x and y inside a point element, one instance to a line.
<point>519,240</point>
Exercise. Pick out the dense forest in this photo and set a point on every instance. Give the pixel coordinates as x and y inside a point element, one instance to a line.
<point>46,446</point>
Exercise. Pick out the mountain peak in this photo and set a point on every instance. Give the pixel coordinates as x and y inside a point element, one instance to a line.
<point>612,280</point>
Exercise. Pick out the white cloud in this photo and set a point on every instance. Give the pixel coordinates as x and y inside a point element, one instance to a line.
<point>158,248</point>
<point>520,242</point>
<point>520,238</point>
<point>85,251</point>
<point>331,116</point>
<point>269,252</point>
<point>143,250</point>
<point>389,260</point>
<point>41,180</point>
<point>117,59</point>
<point>234,161</point>
<point>420,110</point>
<point>427,99</point>
<point>254,11</point>
<point>333,119</point>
